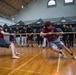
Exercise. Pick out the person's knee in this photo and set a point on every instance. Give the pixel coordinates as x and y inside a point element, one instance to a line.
<point>12,44</point>
<point>54,48</point>
<point>64,47</point>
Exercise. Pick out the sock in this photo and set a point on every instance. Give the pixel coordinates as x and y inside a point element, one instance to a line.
<point>13,51</point>
<point>60,52</point>
<point>71,54</point>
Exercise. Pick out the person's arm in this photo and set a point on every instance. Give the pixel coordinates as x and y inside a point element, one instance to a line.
<point>44,34</point>
<point>5,34</point>
<point>59,31</point>
<point>49,33</point>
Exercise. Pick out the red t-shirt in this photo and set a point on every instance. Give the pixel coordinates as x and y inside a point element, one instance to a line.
<point>51,37</point>
<point>1,35</point>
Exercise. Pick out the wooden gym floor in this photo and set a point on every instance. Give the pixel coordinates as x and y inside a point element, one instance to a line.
<point>36,61</point>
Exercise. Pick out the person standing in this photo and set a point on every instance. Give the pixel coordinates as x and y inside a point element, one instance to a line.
<point>18,36</point>
<point>65,36</point>
<point>39,38</point>
<point>75,35</point>
<point>11,38</point>
<point>23,37</point>
<point>29,36</point>
<point>71,36</point>
<point>44,42</point>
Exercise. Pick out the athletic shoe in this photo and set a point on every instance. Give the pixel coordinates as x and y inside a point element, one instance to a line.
<point>27,46</point>
<point>15,57</point>
<point>43,47</point>
<point>32,46</point>
<point>22,45</point>
<point>63,55</point>
<point>74,57</point>
<point>17,53</point>
<point>39,46</point>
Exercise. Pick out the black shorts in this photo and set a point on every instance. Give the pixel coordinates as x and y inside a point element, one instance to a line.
<point>4,43</point>
<point>11,38</point>
<point>30,38</point>
<point>39,38</point>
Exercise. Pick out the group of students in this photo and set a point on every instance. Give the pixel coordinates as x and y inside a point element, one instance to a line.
<point>25,36</point>
<point>22,39</point>
<point>54,41</point>
<point>68,38</point>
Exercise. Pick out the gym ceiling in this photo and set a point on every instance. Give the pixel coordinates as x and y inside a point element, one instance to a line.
<point>11,7</point>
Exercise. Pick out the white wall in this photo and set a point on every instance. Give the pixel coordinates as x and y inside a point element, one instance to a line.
<point>39,9</point>
<point>8,22</point>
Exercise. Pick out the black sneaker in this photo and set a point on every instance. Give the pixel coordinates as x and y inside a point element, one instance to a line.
<point>27,46</point>
<point>22,46</point>
<point>32,46</point>
<point>43,47</point>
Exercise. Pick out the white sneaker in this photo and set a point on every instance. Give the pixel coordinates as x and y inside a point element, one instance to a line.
<point>39,46</point>
<point>63,55</point>
<point>74,57</point>
<point>17,53</point>
<point>15,57</point>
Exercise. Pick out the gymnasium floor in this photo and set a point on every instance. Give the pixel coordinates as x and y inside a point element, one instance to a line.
<point>36,61</point>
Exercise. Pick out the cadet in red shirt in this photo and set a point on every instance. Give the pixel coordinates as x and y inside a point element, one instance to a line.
<point>53,39</point>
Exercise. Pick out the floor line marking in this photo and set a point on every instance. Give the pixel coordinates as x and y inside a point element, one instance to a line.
<point>58,66</point>
<point>6,68</point>
<point>30,71</point>
<point>25,63</point>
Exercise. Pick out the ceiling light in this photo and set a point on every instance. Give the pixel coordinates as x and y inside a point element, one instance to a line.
<point>22,6</point>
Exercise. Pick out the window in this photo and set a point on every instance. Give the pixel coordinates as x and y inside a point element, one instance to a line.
<point>51,3</point>
<point>68,2</point>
